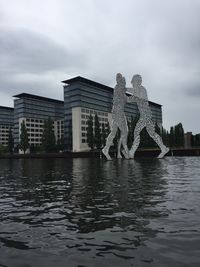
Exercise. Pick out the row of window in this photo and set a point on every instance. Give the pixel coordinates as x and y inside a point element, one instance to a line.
<point>87,117</point>
<point>4,127</point>
<point>36,102</point>
<point>60,123</point>
<point>83,128</point>
<point>34,120</point>
<point>3,134</point>
<point>35,130</point>
<point>89,111</point>
<point>34,125</point>
<point>31,140</point>
<point>35,135</point>
<point>4,131</point>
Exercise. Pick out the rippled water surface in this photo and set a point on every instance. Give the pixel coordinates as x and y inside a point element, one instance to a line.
<point>90,212</point>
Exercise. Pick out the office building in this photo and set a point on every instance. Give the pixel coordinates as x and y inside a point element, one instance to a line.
<point>83,97</point>
<point>34,110</point>
<point>6,122</point>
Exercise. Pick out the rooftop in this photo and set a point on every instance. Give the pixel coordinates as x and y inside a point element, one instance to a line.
<point>87,81</point>
<point>6,108</point>
<point>30,96</point>
<point>93,83</point>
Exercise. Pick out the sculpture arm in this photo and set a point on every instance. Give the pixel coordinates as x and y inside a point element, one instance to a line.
<point>132,98</point>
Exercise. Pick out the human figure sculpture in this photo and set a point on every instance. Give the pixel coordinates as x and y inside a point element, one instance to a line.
<point>145,120</point>
<point>118,117</point>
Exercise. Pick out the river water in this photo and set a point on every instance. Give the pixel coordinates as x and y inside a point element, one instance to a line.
<point>92,212</point>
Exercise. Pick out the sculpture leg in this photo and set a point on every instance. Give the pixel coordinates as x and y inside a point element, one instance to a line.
<point>119,156</point>
<point>109,141</point>
<point>156,137</point>
<point>138,128</point>
<point>124,135</point>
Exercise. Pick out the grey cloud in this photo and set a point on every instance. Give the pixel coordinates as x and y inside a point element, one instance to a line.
<point>158,39</point>
<point>32,62</point>
<point>25,51</point>
<point>194,91</point>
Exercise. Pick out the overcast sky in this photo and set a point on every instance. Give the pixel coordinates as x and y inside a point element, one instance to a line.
<point>45,42</point>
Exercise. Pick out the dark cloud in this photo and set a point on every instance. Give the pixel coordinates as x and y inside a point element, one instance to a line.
<point>26,51</point>
<point>32,62</point>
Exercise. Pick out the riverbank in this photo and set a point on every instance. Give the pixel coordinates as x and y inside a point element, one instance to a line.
<point>97,154</point>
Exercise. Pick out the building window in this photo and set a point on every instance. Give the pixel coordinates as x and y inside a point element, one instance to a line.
<point>83,141</point>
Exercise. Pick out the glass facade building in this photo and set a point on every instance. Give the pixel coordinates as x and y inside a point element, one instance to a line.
<point>6,122</point>
<point>83,97</point>
<point>34,110</point>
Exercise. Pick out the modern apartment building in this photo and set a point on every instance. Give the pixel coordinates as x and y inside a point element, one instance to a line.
<point>6,122</point>
<point>34,110</point>
<point>83,97</point>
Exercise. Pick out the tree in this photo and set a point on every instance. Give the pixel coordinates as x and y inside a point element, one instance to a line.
<point>3,149</point>
<point>195,140</point>
<point>10,141</point>
<point>192,140</point>
<point>165,136</point>
<point>90,134</point>
<point>171,137</point>
<point>24,144</point>
<point>179,135</point>
<point>103,135</point>
<point>97,132</point>
<point>48,137</point>
<point>146,140</point>
<point>61,144</point>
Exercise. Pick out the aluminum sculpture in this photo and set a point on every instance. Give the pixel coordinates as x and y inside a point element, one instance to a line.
<point>118,117</point>
<point>139,95</point>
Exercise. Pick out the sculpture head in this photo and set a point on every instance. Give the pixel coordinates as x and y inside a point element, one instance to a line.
<point>136,80</point>
<point>120,79</point>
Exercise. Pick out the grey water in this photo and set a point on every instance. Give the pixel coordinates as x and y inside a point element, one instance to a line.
<point>91,212</point>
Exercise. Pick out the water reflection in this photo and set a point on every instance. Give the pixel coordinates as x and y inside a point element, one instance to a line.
<point>118,193</point>
<point>92,208</point>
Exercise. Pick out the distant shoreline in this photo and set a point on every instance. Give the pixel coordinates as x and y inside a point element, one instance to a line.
<point>98,154</point>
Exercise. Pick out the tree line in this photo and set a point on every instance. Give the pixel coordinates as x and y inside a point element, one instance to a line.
<point>96,135</point>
